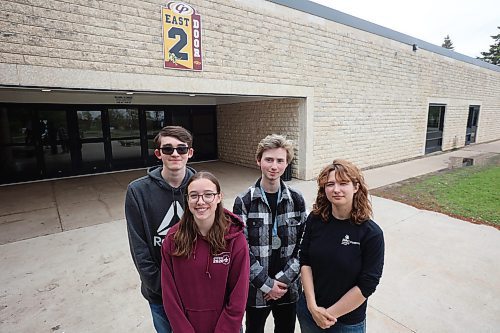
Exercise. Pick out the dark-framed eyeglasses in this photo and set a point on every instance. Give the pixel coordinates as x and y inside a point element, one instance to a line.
<point>169,150</point>
<point>206,197</point>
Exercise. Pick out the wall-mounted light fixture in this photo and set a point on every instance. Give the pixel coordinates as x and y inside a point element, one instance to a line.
<point>415,47</point>
<point>46,90</point>
<point>192,95</point>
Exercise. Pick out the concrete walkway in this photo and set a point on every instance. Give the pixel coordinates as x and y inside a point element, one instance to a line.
<point>66,266</point>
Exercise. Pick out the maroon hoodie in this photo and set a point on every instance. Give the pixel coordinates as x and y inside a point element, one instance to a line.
<point>204,293</point>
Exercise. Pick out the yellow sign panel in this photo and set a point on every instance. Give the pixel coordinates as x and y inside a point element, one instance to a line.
<point>181,36</point>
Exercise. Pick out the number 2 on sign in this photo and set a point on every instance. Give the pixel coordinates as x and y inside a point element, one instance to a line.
<point>175,51</point>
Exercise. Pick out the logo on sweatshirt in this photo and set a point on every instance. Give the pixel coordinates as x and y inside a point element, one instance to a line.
<point>173,215</point>
<point>223,258</point>
<point>347,241</point>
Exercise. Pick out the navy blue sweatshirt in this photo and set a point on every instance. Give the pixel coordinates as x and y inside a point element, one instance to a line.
<point>152,207</point>
<point>342,255</point>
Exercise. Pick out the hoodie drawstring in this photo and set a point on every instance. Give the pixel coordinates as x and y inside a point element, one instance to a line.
<point>208,266</point>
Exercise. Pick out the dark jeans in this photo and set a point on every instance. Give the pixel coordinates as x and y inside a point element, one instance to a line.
<point>284,318</point>
<point>308,325</point>
<point>160,320</point>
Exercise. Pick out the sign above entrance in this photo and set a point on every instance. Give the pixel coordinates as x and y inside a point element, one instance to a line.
<point>123,99</point>
<point>181,36</point>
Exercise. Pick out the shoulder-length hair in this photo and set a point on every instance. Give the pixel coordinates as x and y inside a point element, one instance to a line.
<point>344,171</point>
<point>185,237</point>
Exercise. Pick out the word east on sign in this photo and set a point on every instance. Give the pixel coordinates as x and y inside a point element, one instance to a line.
<point>181,36</point>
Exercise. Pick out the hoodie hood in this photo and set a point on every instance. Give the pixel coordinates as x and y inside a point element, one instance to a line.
<point>236,226</point>
<point>155,174</point>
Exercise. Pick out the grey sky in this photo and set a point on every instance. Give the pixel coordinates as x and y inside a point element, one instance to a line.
<point>470,23</point>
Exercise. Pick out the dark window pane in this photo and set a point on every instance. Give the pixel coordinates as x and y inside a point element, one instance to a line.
<point>155,121</point>
<point>476,116</point>
<point>435,123</point>
<point>89,124</point>
<point>471,116</point>
<point>124,123</point>
<point>93,153</point>
<point>18,163</point>
<point>434,116</point>
<point>205,147</point>
<point>17,146</point>
<point>151,147</point>
<point>55,140</point>
<point>126,149</point>
<point>203,123</point>
<point>181,118</point>
<point>15,127</point>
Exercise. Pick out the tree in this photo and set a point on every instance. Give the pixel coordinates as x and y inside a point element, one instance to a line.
<point>447,44</point>
<point>493,55</point>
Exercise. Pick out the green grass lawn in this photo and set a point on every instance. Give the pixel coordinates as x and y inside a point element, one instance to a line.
<point>471,193</point>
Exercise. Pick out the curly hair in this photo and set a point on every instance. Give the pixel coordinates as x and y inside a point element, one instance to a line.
<point>186,236</point>
<point>344,171</point>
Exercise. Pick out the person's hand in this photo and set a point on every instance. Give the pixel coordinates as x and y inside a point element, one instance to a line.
<point>321,317</point>
<point>279,289</point>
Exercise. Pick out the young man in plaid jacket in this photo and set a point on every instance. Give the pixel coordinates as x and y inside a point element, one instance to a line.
<point>274,215</point>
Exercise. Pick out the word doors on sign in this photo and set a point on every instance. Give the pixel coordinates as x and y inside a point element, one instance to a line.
<point>181,36</point>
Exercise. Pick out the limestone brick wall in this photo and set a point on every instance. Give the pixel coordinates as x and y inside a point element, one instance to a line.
<point>370,94</point>
<point>241,126</point>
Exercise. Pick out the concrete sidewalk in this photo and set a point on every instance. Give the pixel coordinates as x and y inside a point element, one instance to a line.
<point>440,275</point>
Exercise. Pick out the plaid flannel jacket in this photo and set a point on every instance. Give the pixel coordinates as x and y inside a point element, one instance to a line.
<point>257,216</point>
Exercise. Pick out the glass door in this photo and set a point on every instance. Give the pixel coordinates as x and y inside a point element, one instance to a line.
<point>204,129</point>
<point>435,125</point>
<point>90,150</point>
<point>470,135</point>
<point>54,138</point>
<point>201,121</point>
<point>155,121</point>
<point>124,129</point>
<point>18,145</point>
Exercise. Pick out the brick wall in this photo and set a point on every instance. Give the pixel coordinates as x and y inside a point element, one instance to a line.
<point>370,94</point>
<point>241,126</point>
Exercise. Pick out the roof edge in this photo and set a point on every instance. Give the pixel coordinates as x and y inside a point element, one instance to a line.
<point>334,15</point>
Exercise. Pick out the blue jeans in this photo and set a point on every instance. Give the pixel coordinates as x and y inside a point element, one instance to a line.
<point>308,325</point>
<point>160,320</point>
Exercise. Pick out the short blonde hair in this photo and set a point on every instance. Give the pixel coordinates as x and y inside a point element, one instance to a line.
<point>275,141</point>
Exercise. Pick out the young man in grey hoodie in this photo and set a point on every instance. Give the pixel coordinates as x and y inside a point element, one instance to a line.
<point>153,204</point>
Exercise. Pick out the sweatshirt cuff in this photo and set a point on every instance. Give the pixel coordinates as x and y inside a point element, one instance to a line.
<point>281,277</point>
<point>267,286</point>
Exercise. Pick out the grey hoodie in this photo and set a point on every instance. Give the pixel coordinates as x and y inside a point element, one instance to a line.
<point>152,206</point>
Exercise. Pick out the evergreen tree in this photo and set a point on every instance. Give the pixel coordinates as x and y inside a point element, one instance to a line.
<point>447,44</point>
<point>493,55</point>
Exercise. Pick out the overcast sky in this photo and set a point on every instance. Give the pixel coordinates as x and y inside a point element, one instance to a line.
<point>470,23</point>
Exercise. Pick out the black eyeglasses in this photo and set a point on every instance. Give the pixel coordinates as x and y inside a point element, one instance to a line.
<point>168,150</point>
<point>206,197</point>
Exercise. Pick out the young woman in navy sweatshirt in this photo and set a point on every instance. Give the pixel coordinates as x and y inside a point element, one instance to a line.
<point>341,254</point>
<point>205,264</point>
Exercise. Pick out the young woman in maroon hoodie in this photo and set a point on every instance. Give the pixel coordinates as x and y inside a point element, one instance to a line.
<point>205,264</point>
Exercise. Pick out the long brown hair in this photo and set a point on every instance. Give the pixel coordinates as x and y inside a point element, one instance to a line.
<point>186,236</point>
<point>344,171</point>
